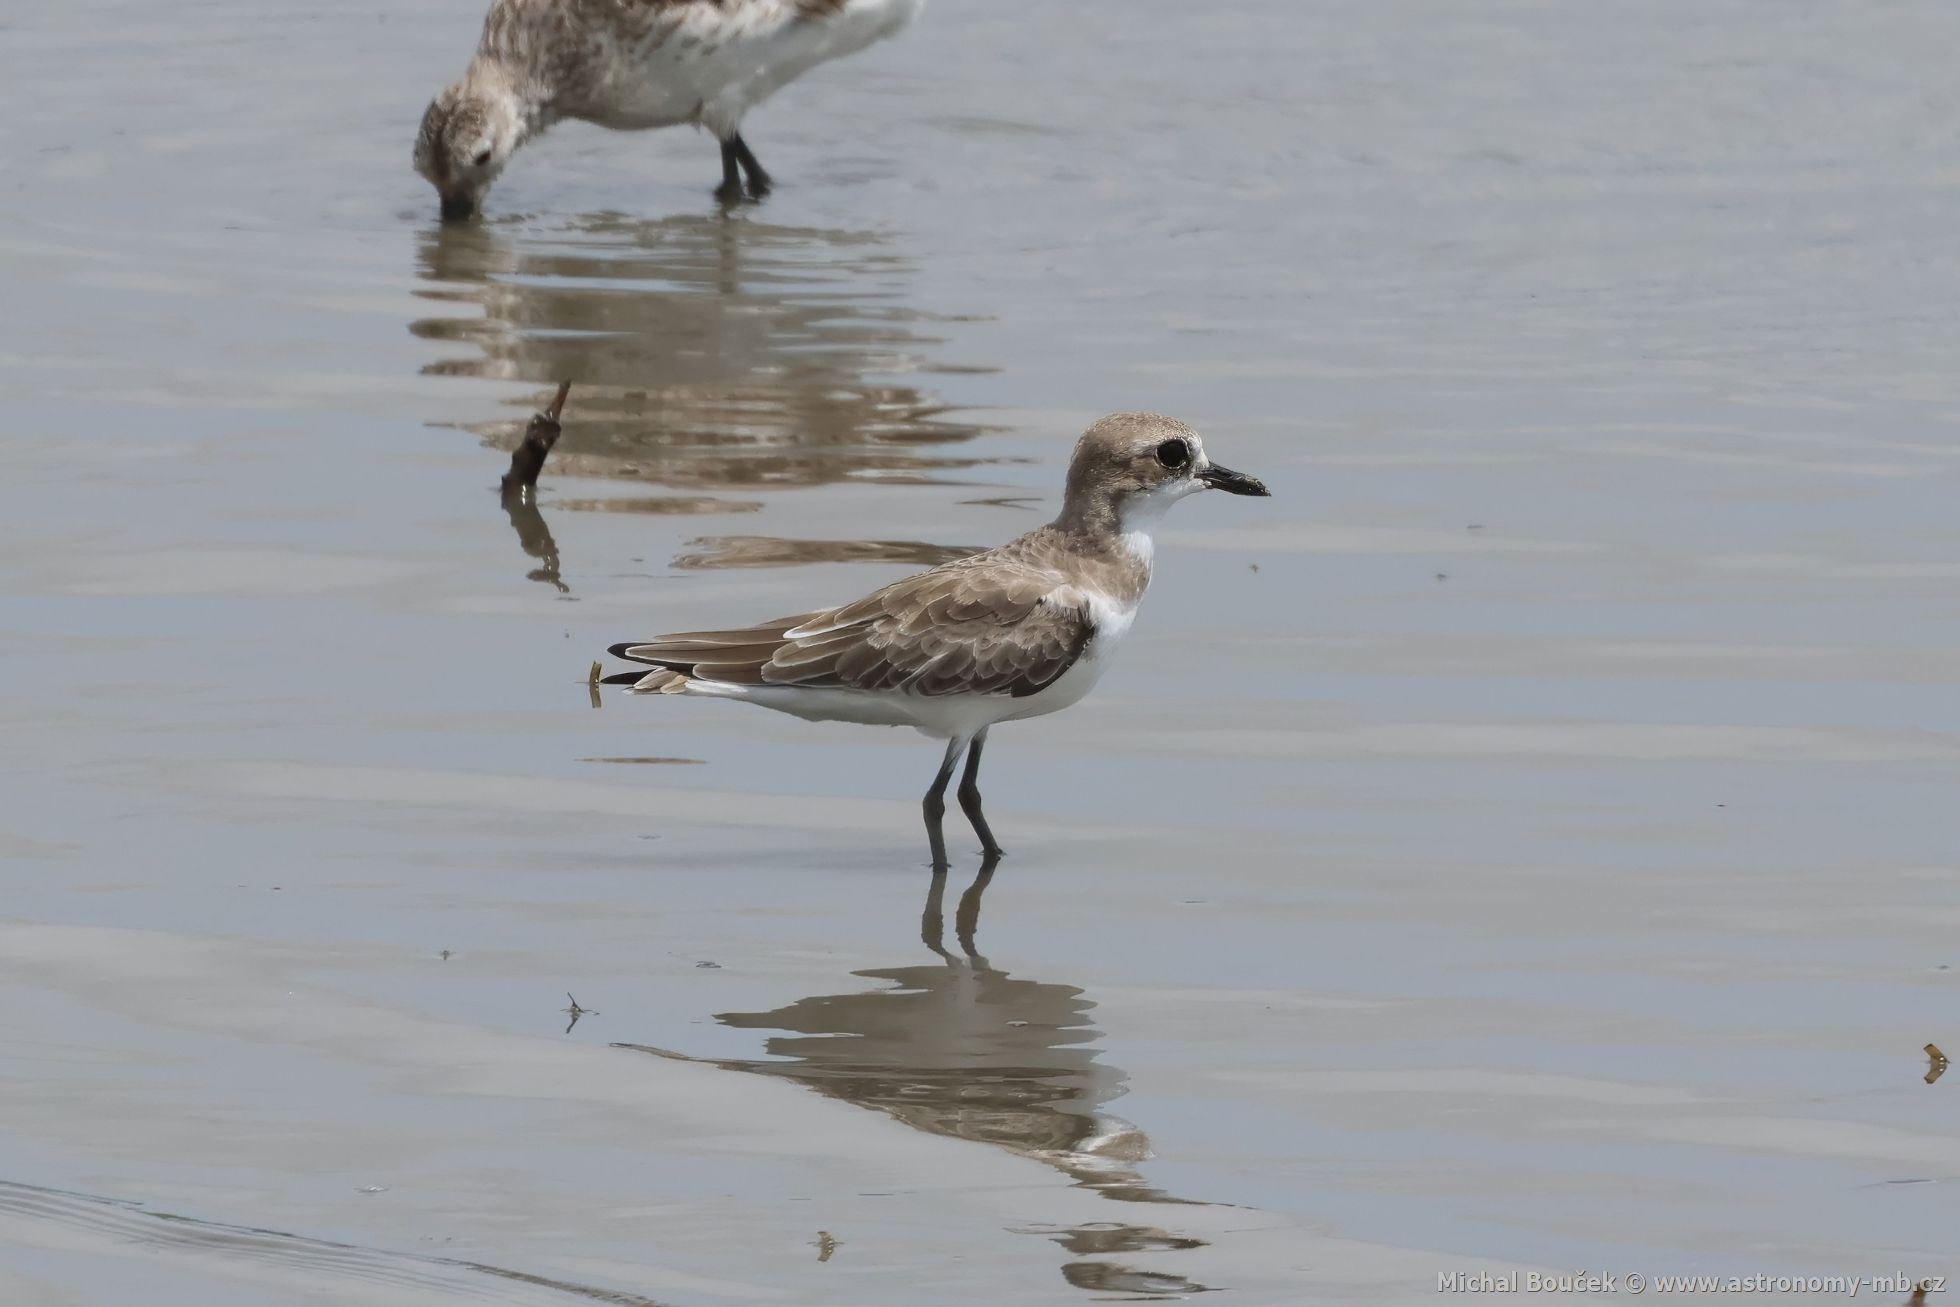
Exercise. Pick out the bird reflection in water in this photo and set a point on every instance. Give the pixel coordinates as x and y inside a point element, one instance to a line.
<point>960,1048</point>
<point>770,551</point>
<point>709,355</point>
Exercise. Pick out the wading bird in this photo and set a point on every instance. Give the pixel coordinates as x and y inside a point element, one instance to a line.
<point>1013,632</point>
<point>633,64</point>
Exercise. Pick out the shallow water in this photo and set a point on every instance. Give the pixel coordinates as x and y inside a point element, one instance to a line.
<point>1523,841</point>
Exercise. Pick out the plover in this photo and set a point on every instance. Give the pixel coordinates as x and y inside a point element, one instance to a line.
<point>632,64</point>
<point>1008,633</point>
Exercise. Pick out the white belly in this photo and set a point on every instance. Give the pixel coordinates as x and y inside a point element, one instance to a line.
<point>635,103</point>
<point>721,61</point>
<point>942,716</point>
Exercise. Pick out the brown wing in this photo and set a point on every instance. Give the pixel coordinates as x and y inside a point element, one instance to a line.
<point>982,625</point>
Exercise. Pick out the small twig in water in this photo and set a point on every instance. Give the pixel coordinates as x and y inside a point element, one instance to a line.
<point>576,1012</point>
<point>527,460</point>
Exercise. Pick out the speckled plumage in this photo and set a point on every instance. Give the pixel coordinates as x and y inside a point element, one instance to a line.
<point>631,64</point>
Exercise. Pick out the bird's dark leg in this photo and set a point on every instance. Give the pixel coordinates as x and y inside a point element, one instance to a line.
<point>935,802</point>
<point>758,179</point>
<point>730,190</point>
<point>970,797</point>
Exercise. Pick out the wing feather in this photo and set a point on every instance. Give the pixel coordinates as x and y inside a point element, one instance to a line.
<point>986,625</point>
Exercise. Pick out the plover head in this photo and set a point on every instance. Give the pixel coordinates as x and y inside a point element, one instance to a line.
<point>468,134</point>
<point>1129,467</point>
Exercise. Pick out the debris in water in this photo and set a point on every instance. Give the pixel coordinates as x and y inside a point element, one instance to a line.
<point>576,1012</point>
<point>527,460</point>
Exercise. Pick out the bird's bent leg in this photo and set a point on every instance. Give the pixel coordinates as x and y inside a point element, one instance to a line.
<point>730,190</point>
<point>759,182</point>
<point>935,801</point>
<point>970,797</point>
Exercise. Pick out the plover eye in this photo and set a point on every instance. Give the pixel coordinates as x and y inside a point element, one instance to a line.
<point>482,159</point>
<point>1173,453</point>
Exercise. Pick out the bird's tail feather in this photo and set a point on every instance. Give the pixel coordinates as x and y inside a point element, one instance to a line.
<point>661,680</point>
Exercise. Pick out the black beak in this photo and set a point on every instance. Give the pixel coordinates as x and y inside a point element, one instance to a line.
<point>458,208</point>
<point>1232,483</point>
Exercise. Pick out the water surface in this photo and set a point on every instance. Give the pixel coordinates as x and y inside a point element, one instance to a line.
<point>1523,841</point>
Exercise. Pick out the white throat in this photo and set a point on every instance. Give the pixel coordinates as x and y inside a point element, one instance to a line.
<point>1140,514</point>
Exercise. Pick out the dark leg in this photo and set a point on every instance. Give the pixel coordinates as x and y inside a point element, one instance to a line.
<point>935,802</point>
<point>758,179</point>
<point>970,797</point>
<point>730,190</point>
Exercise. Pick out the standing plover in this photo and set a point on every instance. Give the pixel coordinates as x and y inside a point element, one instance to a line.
<point>1013,632</point>
<point>631,64</point>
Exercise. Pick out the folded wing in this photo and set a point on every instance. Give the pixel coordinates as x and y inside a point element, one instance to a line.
<point>968,627</point>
